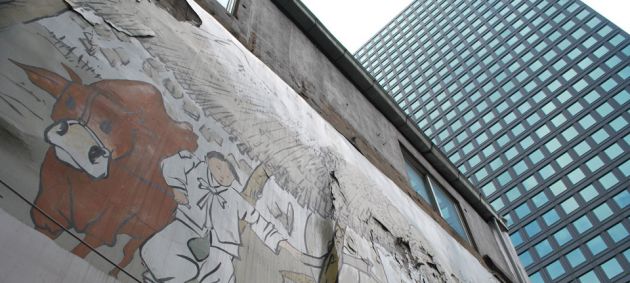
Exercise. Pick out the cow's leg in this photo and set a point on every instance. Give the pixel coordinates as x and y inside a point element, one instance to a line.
<point>128,251</point>
<point>51,214</point>
<point>45,225</point>
<point>84,248</point>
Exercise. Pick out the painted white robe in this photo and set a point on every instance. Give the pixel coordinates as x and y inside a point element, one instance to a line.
<point>212,211</point>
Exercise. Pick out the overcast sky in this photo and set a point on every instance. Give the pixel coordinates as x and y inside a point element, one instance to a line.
<point>354,22</point>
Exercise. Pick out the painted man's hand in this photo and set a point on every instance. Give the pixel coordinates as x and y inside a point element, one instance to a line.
<point>180,197</point>
<point>304,258</point>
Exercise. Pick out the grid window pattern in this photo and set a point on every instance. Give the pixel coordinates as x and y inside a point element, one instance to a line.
<point>529,99</point>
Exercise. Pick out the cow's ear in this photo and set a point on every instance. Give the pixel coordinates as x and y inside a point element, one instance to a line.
<point>73,76</point>
<point>44,79</point>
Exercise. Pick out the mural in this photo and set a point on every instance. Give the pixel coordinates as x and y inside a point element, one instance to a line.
<point>100,175</point>
<point>159,151</point>
<point>207,223</point>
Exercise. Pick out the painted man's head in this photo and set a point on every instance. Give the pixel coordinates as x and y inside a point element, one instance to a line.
<point>221,169</point>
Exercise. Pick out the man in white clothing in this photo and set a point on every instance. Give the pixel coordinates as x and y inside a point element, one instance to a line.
<point>204,238</point>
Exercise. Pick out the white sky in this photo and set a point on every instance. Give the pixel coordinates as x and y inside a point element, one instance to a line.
<point>617,11</point>
<point>354,22</point>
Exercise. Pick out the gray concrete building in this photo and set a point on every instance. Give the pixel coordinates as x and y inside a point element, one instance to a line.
<point>530,100</point>
<point>218,141</point>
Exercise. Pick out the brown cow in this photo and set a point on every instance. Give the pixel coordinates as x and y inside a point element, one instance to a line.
<point>101,174</point>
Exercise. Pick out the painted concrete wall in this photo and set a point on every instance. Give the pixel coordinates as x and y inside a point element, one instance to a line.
<point>139,145</point>
<point>304,67</point>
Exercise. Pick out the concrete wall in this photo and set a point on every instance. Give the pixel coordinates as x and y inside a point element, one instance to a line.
<point>138,144</point>
<point>297,60</point>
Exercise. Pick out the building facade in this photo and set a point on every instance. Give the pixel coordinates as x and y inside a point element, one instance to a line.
<point>218,141</point>
<point>530,100</point>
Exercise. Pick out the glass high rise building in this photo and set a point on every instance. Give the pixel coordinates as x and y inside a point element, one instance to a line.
<point>530,100</point>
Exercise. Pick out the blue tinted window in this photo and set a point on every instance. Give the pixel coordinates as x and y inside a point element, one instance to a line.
<point>582,224</point>
<point>617,232</point>
<point>587,121</point>
<point>612,62</point>
<point>530,183</point>
<point>618,124</point>
<point>520,167</point>
<point>551,217</point>
<point>595,163</point>
<point>569,205</point>
<point>608,181</point>
<point>516,238</point>
<point>513,194</point>
<point>604,109</point>
<point>497,204</point>
<point>418,183</point>
<point>596,73</point>
<point>564,160</point>
<point>540,199</point>
<point>563,236</point>
<point>542,131</point>
<point>589,277</point>
<point>592,97</point>
<point>449,210</point>
<point>600,136</point>
<point>602,212</point>
<point>569,134</point>
<point>546,171</point>
<point>536,278</point>
<point>589,193</point>
<point>558,187</point>
<point>609,84</point>
<point>522,210</point>
<point>596,245</point>
<point>526,258</point>
<point>558,120</point>
<point>611,268</point>
<point>582,148</point>
<point>576,176</point>
<point>526,142</point>
<point>575,258</point>
<point>552,145</point>
<point>488,189</point>
<point>622,199</point>
<point>536,156</point>
<point>555,269</point>
<point>613,151</point>
<point>600,51</point>
<point>532,228</point>
<point>543,248</point>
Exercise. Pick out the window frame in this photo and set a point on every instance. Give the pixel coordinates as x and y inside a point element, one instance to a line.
<point>230,6</point>
<point>431,183</point>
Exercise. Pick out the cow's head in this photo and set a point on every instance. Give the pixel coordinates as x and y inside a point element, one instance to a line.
<point>95,124</point>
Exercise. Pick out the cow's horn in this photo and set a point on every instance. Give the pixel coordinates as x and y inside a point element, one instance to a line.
<point>73,76</point>
<point>46,80</point>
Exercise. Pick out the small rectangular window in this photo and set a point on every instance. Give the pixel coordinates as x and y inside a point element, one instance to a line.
<point>437,197</point>
<point>449,210</point>
<point>418,182</point>
<point>229,5</point>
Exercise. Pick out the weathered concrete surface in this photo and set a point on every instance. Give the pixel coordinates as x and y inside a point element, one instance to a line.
<point>215,168</point>
<point>34,258</point>
<point>306,69</point>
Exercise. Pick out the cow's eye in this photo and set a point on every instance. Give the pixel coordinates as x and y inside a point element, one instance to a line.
<point>106,126</point>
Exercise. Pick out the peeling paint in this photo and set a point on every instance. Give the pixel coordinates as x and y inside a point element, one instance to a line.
<point>261,188</point>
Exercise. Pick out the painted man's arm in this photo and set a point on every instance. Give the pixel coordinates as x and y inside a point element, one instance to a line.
<point>265,230</point>
<point>175,170</point>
